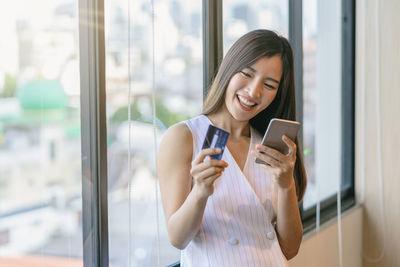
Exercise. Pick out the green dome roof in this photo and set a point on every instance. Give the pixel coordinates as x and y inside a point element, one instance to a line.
<point>41,95</point>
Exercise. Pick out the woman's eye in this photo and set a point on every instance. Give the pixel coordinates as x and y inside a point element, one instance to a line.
<point>269,86</point>
<point>245,74</point>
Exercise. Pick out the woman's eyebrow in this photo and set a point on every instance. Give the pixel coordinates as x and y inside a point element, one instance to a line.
<point>268,78</point>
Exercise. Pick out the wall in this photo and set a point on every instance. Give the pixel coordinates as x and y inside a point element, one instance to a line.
<point>321,249</point>
<point>388,62</point>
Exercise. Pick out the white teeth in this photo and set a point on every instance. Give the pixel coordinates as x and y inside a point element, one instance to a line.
<point>245,101</point>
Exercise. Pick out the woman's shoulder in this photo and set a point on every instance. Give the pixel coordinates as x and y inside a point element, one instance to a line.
<point>179,131</point>
<point>182,136</point>
<point>177,139</point>
<point>187,128</point>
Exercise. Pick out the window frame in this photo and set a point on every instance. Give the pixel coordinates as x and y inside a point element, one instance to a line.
<point>328,207</point>
<point>93,133</point>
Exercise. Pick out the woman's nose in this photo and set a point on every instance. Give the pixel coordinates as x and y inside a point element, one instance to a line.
<point>255,89</point>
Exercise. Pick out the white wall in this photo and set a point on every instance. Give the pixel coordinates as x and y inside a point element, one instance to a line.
<point>378,71</point>
<point>321,249</point>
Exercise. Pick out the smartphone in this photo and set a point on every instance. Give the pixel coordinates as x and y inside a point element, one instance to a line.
<point>273,136</point>
<point>216,137</point>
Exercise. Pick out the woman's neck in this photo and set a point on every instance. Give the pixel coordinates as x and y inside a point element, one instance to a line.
<point>223,119</point>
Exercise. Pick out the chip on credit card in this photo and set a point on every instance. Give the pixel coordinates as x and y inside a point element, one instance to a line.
<point>217,138</point>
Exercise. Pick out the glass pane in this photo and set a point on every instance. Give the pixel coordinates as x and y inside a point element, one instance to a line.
<point>40,150</point>
<point>178,83</point>
<point>322,78</point>
<point>242,16</point>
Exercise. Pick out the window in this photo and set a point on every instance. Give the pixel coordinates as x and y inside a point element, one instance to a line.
<point>134,206</point>
<point>328,101</point>
<point>40,145</point>
<point>322,98</point>
<point>240,17</point>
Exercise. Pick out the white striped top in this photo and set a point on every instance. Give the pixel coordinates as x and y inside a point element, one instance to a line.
<point>237,228</point>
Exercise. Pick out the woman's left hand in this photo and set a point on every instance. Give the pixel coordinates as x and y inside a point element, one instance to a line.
<point>280,166</point>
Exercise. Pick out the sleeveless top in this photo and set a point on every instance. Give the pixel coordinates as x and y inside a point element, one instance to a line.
<point>238,222</point>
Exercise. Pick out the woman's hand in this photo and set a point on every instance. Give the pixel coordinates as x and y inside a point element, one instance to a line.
<point>280,166</point>
<point>205,172</point>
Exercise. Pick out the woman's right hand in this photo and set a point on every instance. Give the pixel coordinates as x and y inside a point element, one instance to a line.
<point>205,172</point>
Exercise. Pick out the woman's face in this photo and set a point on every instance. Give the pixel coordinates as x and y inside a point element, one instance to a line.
<point>253,89</point>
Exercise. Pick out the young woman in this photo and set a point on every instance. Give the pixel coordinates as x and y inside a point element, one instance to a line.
<point>233,211</point>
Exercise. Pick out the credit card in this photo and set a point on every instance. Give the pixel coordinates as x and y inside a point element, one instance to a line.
<point>216,137</point>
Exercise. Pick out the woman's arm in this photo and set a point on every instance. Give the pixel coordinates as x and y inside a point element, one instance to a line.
<point>183,205</point>
<point>289,227</point>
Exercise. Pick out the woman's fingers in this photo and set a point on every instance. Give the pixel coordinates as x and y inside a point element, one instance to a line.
<point>290,156</point>
<point>206,152</point>
<point>280,166</point>
<point>206,173</point>
<point>270,151</point>
<point>267,158</point>
<point>199,164</point>
<point>201,175</point>
<point>196,168</point>
<point>205,169</point>
<point>291,145</point>
<point>211,179</point>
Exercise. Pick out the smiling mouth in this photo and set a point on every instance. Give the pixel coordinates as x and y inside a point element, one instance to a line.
<point>245,103</point>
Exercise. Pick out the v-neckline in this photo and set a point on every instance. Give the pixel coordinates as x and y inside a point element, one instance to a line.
<point>242,172</point>
<point>230,154</point>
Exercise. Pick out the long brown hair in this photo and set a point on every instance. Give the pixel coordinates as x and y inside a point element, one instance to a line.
<point>244,53</point>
